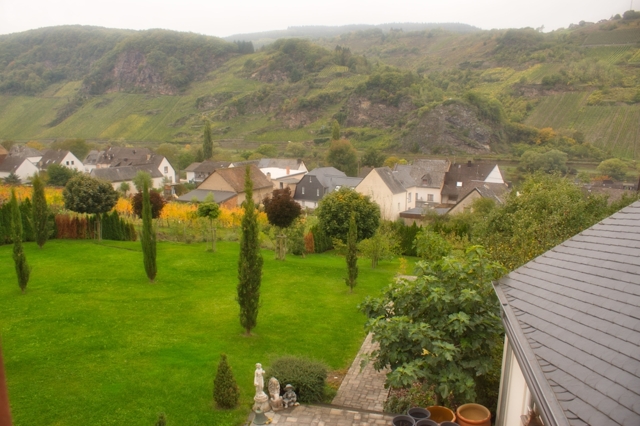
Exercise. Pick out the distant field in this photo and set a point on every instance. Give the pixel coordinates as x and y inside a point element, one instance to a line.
<point>93,343</point>
<point>613,128</point>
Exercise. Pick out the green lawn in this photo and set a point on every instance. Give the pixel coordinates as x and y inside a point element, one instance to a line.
<point>93,343</point>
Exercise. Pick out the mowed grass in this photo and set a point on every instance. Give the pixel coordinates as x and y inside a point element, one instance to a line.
<point>93,343</point>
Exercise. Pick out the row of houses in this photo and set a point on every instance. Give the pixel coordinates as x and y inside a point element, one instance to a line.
<point>404,191</point>
<point>116,165</point>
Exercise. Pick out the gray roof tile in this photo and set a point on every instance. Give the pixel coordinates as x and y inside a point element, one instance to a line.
<point>577,308</point>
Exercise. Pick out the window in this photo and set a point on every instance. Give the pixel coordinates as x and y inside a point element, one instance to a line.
<point>303,190</point>
<point>72,162</point>
<point>409,197</point>
<point>429,197</point>
<point>67,163</point>
<point>166,169</point>
<point>318,192</point>
<point>281,185</point>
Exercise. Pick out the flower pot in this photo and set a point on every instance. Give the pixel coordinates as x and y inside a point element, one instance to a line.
<point>418,413</point>
<point>448,424</point>
<point>473,415</point>
<point>426,422</point>
<point>403,420</point>
<point>441,414</point>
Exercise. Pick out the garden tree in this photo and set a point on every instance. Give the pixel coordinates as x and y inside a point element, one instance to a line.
<point>12,179</point>
<point>549,162</point>
<point>157,204</point>
<point>22,268</point>
<point>267,150</point>
<point>199,156</point>
<point>124,188</point>
<point>40,212</point>
<point>615,168</point>
<point>211,211</point>
<point>542,213</point>
<point>281,211</point>
<point>250,261</point>
<point>59,175</point>
<point>148,238</point>
<point>381,246</point>
<point>207,145</point>
<point>169,151</point>
<point>295,150</point>
<point>352,253</point>
<point>443,327</point>
<point>140,179</point>
<point>342,155</point>
<point>431,246</point>
<point>334,212</point>
<point>26,213</point>
<point>85,194</point>
<point>226,392</point>
<point>372,158</point>
<point>392,161</point>
<point>335,130</point>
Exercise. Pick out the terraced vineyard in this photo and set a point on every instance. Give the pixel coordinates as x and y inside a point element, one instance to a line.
<point>620,36</point>
<point>611,54</point>
<point>613,128</point>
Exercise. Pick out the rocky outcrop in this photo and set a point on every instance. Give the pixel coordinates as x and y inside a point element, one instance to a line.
<point>131,71</point>
<point>363,112</point>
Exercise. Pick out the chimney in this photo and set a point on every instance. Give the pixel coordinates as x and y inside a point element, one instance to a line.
<point>288,170</point>
<point>269,176</point>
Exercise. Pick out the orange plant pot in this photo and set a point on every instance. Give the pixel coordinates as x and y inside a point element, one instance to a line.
<point>441,414</point>
<point>473,415</point>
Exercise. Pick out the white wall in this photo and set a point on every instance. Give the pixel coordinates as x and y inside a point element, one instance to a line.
<point>495,176</point>
<point>72,162</point>
<point>390,204</point>
<point>422,194</point>
<point>170,173</point>
<point>515,398</point>
<point>25,171</point>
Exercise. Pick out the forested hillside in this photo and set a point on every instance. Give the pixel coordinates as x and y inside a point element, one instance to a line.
<point>432,91</point>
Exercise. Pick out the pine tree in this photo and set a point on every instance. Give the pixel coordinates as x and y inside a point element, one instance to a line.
<point>148,239</point>
<point>226,393</point>
<point>40,212</point>
<point>352,253</point>
<point>335,131</point>
<point>22,268</point>
<point>207,146</point>
<point>250,261</point>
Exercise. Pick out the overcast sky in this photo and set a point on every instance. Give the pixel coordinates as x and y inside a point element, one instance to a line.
<point>226,17</point>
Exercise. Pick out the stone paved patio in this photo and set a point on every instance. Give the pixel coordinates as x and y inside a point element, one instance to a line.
<point>359,400</point>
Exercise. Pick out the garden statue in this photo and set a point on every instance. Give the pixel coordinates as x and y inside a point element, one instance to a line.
<point>289,398</point>
<point>274,391</point>
<point>261,399</point>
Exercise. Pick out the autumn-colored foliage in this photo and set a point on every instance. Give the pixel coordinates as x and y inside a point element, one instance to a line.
<point>52,195</point>
<point>309,244</point>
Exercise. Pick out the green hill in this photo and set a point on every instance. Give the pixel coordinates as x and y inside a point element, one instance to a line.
<point>431,91</point>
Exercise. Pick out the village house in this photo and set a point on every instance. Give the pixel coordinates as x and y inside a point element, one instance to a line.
<point>124,157</point>
<point>382,186</point>
<point>198,172</point>
<point>232,180</point>
<point>572,323</point>
<point>20,166</point>
<point>116,176</point>
<point>462,178</point>
<point>319,182</point>
<point>61,158</point>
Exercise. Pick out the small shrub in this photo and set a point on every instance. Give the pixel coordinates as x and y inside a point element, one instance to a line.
<point>225,389</point>
<point>307,377</point>
<point>417,395</point>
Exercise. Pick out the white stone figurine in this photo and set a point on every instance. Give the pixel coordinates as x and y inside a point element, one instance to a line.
<point>274,391</point>
<point>258,380</point>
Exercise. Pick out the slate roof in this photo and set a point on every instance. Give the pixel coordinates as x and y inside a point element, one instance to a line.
<point>209,166</point>
<point>235,178</point>
<point>124,174</point>
<point>389,179</point>
<point>11,164</point>
<point>192,167</point>
<point>423,173</point>
<point>200,194</point>
<point>281,163</point>
<point>572,316</point>
<point>467,173</point>
<point>50,157</point>
<point>23,151</point>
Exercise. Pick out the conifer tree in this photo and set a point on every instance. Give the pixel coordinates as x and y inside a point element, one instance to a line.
<point>250,261</point>
<point>352,253</point>
<point>22,268</point>
<point>148,239</point>
<point>226,393</point>
<point>207,146</point>
<point>40,212</point>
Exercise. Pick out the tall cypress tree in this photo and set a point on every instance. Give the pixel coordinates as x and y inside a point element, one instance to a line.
<point>250,261</point>
<point>207,146</point>
<point>22,268</point>
<point>352,253</point>
<point>148,239</point>
<point>40,212</point>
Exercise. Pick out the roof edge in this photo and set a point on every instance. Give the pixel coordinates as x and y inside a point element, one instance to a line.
<point>550,409</point>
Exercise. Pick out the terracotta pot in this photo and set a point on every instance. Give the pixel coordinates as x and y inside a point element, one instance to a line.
<point>441,414</point>
<point>473,415</point>
<point>418,413</point>
<point>403,420</point>
<point>426,422</point>
<point>448,424</point>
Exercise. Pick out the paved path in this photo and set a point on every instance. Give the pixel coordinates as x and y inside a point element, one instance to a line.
<point>359,400</point>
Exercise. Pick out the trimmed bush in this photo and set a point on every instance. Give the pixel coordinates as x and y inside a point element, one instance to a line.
<point>225,389</point>
<point>307,377</point>
<point>322,242</point>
